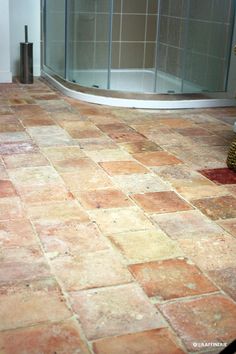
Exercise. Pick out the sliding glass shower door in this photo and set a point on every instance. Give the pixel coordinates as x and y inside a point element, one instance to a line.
<point>55,41</point>
<point>172,18</point>
<point>88,42</point>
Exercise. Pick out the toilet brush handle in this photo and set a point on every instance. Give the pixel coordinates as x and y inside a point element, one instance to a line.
<point>26,34</point>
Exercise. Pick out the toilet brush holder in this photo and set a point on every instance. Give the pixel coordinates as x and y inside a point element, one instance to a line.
<point>26,60</point>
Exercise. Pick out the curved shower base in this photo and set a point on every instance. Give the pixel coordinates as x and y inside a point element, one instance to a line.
<point>139,100</point>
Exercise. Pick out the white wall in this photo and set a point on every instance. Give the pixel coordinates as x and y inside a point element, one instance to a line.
<point>24,12</point>
<point>5,71</point>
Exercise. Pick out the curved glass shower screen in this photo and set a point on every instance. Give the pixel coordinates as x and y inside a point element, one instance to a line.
<point>149,46</point>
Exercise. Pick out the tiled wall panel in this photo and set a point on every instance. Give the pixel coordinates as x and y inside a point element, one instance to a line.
<point>194,39</point>
<point>134,34</point>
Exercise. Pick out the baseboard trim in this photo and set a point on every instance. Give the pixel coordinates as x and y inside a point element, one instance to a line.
<point>5,77</point>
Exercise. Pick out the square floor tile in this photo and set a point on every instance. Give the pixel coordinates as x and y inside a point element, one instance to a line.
<point>156,158</point>
<point>40,119</point>
<point>122,137</point>
<point>109,155</point>
<point>171,279</point>
<point>186,181</point>
<point>61,211</point>
<point>114,127</point>
<point>146,246</point>
<point>37,301</point>
<point>122,167</point>
<point>16,233</point>
<point>91,270</point>
<point>22,264</point>
<point>10,124</point>
<point>55,105</point>
<point>229,225</point>
<point>67,116</point>
<point>201,157</point>
<point>186,224</point>
<point>176,122</point>
<point>217,208</point>
<point>31,176</point>
<point>21,101</point>
<point>10,208</point>
<point>87,179</point>
<point>28,111</point>
<point>5,110</point>
<point>211,141</point>
<point>7,189</point>
<point>87,110</point>
<point>60,153</point>
<point>105,198</point>
<point>167,138</point>
<point>120,220</point>
<point>58,338</point>
<point>68,124</point>
<point>73,165</point>
<point>95,144</point>
<point>50,135</point>
<point>44,193</point>
<point>25,160</point>
<point>199,191</point>
<point>194,131</point>
<point>161,202</point>
<point>104,118</point>
<point>13,137</point>
<point>130,116</point>
<point>225,279</point>
<point>181,175</point>
<point>70,237</point>
<point>17,148</point>
<point>220,175</point>
<point>210,253</point>
<point>140,146</point>
<point>231,188</point>
<point>156,341</point>
<point>146,128</point>
<point>77,133</point>
<point>115,311</point>
<point>140,183</point>
<point>209,319</point>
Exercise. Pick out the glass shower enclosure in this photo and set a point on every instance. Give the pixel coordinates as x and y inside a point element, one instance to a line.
<point>149,46</point>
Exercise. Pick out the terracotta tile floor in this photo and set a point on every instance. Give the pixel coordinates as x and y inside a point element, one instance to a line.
<point>117,227</point>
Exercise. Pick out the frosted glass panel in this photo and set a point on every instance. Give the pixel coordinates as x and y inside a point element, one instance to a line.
<point>55,35</point>
<point>88,42</point>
